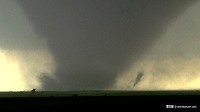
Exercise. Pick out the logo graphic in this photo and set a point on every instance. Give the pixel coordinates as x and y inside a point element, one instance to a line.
<point>169,106</point>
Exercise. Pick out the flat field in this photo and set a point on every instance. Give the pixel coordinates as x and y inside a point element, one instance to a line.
<point>96,93</point>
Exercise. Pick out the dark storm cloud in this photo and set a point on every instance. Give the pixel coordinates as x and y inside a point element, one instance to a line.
<point>95,40</point>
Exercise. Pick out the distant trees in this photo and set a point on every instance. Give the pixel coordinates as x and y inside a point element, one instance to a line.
<point>33,90</point>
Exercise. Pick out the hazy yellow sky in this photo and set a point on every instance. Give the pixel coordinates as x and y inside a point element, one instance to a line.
<point>24,58</point>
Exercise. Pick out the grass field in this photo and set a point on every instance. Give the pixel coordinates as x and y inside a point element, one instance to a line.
<point>66,100</point>
<point>95,93</point>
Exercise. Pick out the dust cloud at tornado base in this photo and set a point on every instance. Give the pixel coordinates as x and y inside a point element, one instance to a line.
<point>104,44</point>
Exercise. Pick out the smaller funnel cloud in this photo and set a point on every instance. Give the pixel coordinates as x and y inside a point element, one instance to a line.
<point>138,78</point>
<point>172,63</point>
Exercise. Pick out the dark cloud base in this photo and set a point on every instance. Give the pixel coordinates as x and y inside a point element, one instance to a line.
<point>93,41</point>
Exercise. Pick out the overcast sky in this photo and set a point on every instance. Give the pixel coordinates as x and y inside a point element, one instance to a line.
<point>91,44</point>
